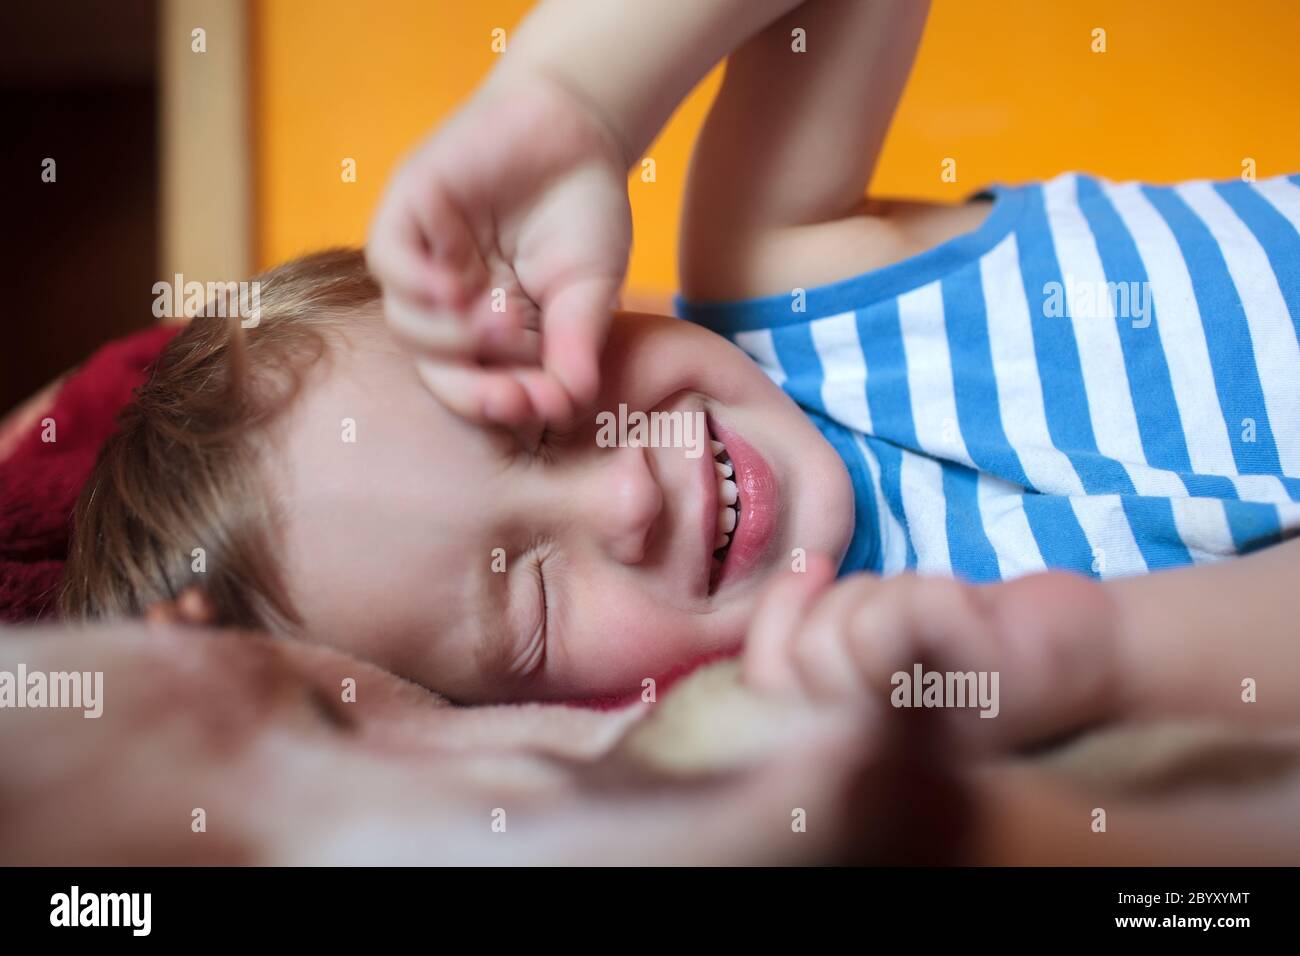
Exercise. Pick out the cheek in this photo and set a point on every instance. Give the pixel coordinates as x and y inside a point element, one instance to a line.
<point>620,636</point>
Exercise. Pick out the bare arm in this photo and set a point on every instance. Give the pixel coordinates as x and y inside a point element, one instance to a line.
<point>1188,638</point>
<point>633,62</point>
<point>792,140</point>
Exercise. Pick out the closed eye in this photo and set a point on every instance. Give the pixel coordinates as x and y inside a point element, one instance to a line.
<point>533,655</point>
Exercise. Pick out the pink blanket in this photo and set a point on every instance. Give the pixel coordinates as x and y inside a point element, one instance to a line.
<point>219,747</point>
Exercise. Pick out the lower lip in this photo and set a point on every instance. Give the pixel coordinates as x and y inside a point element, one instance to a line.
<point>760,503</point>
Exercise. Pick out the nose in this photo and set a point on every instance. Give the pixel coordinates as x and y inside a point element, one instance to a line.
<point>620,503</point>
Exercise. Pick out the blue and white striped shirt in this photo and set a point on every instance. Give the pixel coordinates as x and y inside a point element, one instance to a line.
<point>1103,377</point>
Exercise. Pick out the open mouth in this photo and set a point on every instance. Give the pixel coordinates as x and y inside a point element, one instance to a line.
<point>747,508</point>
<point>728,508</point>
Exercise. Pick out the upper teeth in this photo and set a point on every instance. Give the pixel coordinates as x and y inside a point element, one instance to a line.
<point>728,497</point>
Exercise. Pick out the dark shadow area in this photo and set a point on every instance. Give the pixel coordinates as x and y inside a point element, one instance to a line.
<point>79,255</point>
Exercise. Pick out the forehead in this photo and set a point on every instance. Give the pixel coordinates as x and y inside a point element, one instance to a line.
<point>383,493</point>
<point>364,424</point>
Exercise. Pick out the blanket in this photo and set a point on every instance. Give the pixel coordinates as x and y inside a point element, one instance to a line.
<point>222,747</point>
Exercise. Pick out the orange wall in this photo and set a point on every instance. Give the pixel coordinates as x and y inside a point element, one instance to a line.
<point>1008,88</point>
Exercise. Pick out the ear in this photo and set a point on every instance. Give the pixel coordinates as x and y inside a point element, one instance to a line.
<point>192,607</point>
<point>195,607</point>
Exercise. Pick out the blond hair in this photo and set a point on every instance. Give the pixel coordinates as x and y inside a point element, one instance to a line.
<point>186,470</point>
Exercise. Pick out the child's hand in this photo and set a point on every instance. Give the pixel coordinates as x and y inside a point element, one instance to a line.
<point>500,247</point>
<point>1051,637</point>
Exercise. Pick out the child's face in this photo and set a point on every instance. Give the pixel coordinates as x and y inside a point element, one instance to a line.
<point>462,559</point>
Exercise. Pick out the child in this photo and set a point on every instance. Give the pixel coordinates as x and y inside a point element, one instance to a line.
<point>968,412</point>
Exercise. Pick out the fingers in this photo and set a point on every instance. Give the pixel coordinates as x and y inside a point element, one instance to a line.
<point>913,619</point>
<point>521,400</point>
<point>549,401</point>
<point>458,270</point>
<point>575,321</point>
<point>505,345</point>
<point>480,396</point>
<point>428,332</point>
<point>424,256</point>
<point>421,247</point>
<point>766,665</point>
<point>488,366</point>
<point>846,642</point>
<point>852,638</point>
<point>396,256</point>
<point>1044,644</point>
<point>820,653</point>
<point>491,374</point>
<point>440,303</point>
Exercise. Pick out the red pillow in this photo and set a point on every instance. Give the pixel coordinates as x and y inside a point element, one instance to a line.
<point>50,462</point>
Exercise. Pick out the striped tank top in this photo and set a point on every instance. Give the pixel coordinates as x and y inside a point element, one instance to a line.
<point>1102,378</point>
